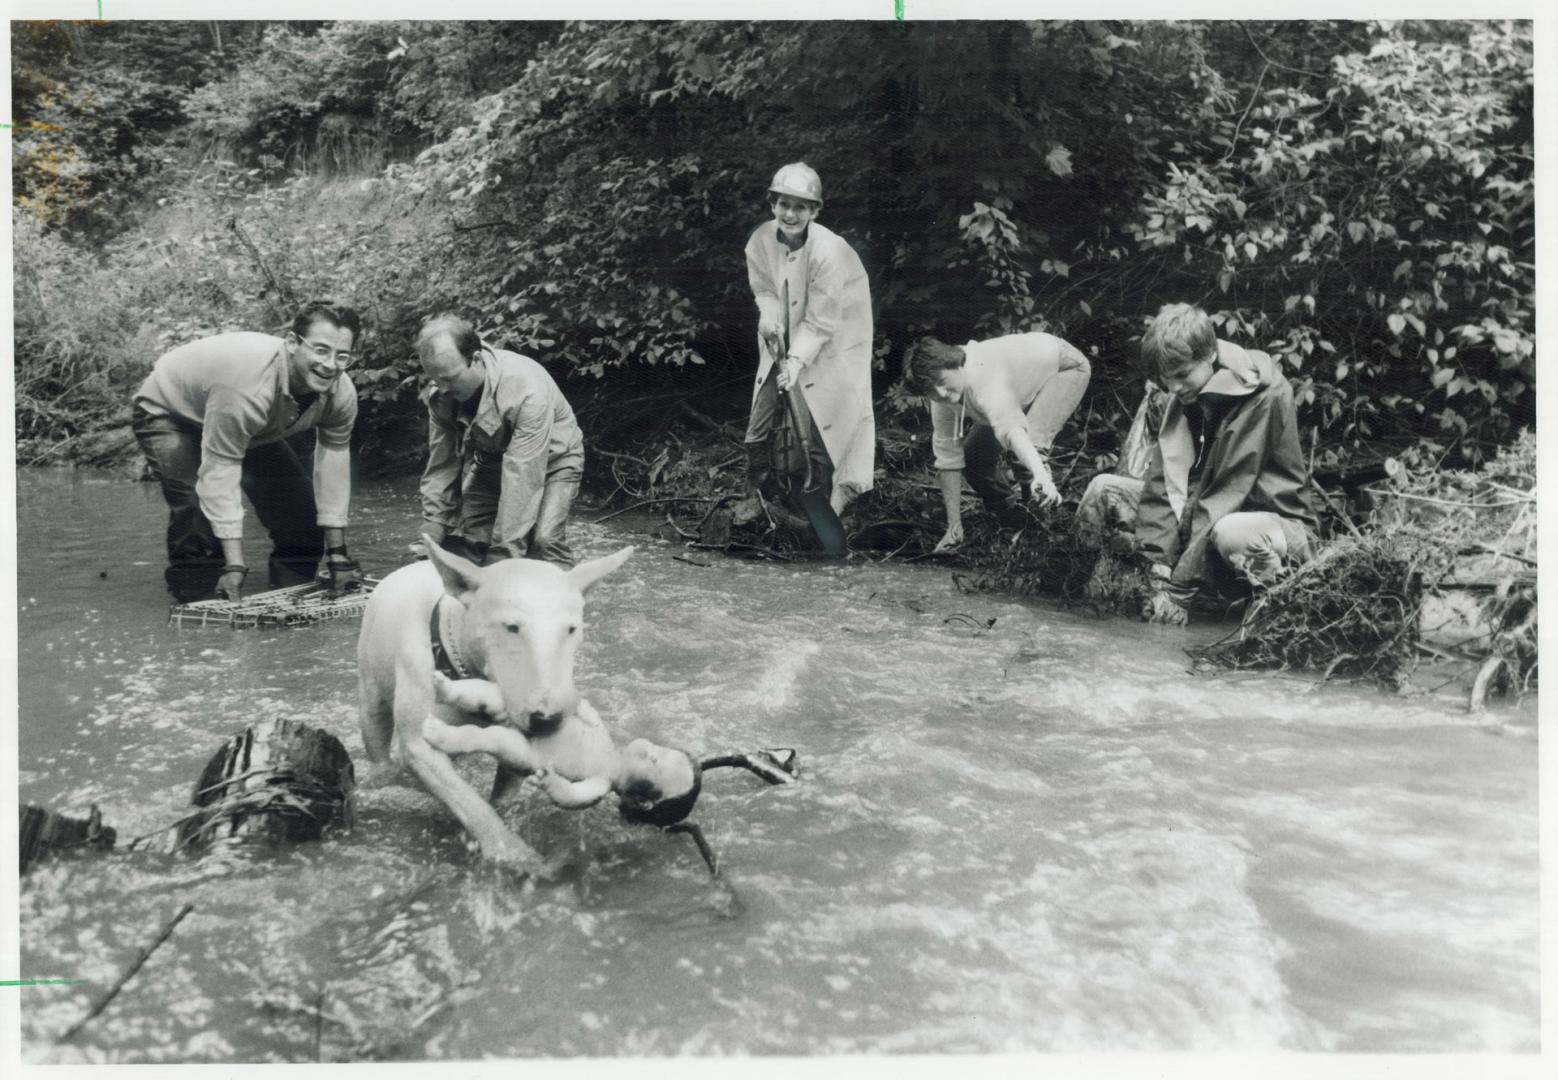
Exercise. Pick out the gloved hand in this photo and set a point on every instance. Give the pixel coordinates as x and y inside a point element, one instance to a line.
<point>1161,607</point>
<point>344,573</point>
<point>1045,493</point>
<point>230,585</point>
<point>789,372</point>
<point>771,332</point>
<point>951,538</point>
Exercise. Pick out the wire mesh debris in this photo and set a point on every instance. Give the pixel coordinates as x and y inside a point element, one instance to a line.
<point>295,605</point>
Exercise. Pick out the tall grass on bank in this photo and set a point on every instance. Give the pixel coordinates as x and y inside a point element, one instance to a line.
<point>225,250</point>
<point>75,339</point>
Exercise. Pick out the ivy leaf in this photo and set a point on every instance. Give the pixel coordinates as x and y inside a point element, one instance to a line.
<point>1059,161</point>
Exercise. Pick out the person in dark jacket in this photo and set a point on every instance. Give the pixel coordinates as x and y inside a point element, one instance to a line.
<point>1227,494</point>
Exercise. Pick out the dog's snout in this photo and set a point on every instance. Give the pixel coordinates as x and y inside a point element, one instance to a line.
<point>543,723</point>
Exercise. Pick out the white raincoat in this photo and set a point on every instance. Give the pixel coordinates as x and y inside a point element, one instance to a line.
<point>829,329</point>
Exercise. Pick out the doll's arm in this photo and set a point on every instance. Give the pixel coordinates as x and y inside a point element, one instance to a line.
<point>505,744</point>
<point>480,696</point>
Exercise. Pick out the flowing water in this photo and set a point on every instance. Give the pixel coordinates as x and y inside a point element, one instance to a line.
<point>1032,833</point>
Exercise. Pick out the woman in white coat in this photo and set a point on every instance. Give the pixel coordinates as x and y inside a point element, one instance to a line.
<point>814,341</point>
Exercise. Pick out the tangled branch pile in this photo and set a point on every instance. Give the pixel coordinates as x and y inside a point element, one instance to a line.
<point>1447,568</point>
<point>1052,557</point>
<point>1352,611</point>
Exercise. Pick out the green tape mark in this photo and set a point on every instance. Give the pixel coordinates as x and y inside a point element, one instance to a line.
<point>40,982</point>
<point>897,9</point>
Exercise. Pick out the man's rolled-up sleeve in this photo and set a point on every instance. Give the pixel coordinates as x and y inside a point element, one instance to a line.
<point>524,474</point>
<point>440,477</point>
<point>231,420</point>
<point>333,458</point>
<point>944,440</point>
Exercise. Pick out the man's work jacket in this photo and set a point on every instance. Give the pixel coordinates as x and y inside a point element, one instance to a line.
<point>234,389</point>
<point>522,418</point>
<point>820,294</point>
<point>1003,379</point>
<point>1254,463</point>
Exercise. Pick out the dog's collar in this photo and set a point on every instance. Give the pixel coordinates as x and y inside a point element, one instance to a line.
<point>446,658</point>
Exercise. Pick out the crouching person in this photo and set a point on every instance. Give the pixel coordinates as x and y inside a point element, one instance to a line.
<point>1013,392</point>
<point>212,419</point>
<point>1227,496</point>
<point>504,453</point>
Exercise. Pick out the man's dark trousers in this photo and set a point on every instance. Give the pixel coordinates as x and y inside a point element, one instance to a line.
<point>278,486</point>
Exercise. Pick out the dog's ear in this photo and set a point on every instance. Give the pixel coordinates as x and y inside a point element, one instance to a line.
<point>586,574</point>
<point>461,576</point>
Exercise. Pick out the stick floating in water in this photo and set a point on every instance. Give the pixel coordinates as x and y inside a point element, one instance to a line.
<point>136,964</point>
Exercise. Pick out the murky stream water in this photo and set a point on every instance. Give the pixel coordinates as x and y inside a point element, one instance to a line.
<point>1044,835</point>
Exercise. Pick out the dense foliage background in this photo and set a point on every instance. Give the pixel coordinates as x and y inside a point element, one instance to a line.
<point>1354,197</point>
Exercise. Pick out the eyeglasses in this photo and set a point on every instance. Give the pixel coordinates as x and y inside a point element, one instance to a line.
<point>324,357</point>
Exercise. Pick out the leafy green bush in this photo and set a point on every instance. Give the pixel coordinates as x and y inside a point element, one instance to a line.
<point>1355,197</point>
<point>1373,226</point>
<point>91,105</point>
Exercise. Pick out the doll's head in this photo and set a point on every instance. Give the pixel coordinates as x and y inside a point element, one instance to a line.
<point>659,784</point>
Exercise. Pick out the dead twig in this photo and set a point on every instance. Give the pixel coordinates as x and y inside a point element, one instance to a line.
<point>683,533</point>
<point>1477,701</point>
<point>649,502</point>
<point>767,553</point>
<point>135,965</point>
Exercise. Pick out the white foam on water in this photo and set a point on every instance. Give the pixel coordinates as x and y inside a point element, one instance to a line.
<point>773,690</point>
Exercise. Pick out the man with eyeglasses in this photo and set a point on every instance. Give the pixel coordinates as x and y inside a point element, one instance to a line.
<point>213,418</point>
<point>504,452</point>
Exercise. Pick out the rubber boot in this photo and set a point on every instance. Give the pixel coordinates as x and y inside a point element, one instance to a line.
<point>825,524</point>
<point>760,475</point>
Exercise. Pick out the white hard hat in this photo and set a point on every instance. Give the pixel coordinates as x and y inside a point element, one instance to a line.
<point>798,179</point>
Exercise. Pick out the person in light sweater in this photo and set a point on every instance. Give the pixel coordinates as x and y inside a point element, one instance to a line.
<point>1013,393</point>
<point>213,417</point>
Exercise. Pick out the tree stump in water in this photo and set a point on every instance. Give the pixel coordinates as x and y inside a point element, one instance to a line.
<point>44,832</point>
<point>279,779</point>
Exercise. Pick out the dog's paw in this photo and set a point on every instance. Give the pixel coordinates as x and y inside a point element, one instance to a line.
<point>563,867</point>
<point>512,853</point>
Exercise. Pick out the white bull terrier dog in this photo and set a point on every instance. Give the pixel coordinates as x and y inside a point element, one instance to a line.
<point>516,623</point>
